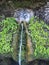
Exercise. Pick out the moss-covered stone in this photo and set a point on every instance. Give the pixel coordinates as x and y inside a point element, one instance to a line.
<point>9,27</point>
<point>39,32</point>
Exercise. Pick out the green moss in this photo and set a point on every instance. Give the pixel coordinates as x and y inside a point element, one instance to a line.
<point>8,28</point>
<point>39,32</point>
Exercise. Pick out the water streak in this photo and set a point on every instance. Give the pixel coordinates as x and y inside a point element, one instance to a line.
<point>20,47</point>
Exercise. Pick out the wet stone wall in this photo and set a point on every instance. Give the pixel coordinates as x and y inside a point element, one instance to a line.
<point>43,13</point>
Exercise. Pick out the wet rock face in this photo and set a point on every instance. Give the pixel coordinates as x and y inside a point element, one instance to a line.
<point>43,13</point>
<point>23,15</point>
<point>46,11</point>
<point>8,61</point>
<point>5,13</point>
<point>39,62</point>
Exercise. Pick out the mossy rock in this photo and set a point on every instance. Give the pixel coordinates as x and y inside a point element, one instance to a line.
<point>8,29</point>
<point>39,32</point>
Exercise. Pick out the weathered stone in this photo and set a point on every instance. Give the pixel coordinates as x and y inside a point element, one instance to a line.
<point>23,15</point>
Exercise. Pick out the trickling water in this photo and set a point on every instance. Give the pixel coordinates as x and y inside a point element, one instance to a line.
<point>20,47</point>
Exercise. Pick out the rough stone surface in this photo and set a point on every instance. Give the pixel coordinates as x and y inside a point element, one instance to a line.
<point>43,13</point>
<point>23,15</point>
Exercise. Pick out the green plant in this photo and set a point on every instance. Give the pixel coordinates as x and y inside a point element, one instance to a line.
<point>39,32</point>
<point>8,28</point>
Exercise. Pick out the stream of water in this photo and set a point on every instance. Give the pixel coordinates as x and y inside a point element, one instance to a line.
<point>20,47</point>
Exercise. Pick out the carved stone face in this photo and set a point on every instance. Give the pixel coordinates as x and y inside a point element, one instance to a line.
<point>23,15</point>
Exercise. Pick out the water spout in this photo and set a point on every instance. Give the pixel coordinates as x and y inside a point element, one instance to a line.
<point>20,47</point>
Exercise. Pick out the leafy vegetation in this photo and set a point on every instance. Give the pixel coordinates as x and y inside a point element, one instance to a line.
<point>7,28</point>
<point>39,32</point>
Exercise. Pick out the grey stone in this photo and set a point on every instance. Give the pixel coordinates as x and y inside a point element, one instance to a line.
<point>23,15</point>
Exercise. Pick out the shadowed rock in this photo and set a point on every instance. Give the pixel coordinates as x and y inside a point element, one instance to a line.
<point>43,13</point>
<point>8,61</point>
<point>39,62</point>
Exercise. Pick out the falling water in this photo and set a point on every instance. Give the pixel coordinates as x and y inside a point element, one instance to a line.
<point>20,48</point>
